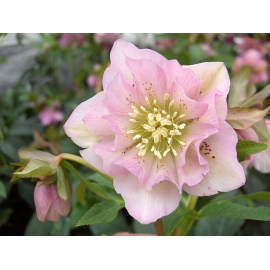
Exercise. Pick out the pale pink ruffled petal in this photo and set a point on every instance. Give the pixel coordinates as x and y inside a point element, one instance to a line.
<point>108,157</point>
<point>122,49</point>
<point>92,158</point>
<point>43,200</point>
<point>97,125</point>
<point>184,105</point>
<point>211,116</point>
<point>120,96</point>
<point>150,75</point>
<point>184,76</point>
<point>147,206</point>
<point>213,76</point>
<point>120,125</point>
<point>225,173</point>
<point>75,128</point>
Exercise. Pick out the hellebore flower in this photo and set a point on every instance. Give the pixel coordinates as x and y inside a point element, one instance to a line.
<point>260,161</point>
<point>48,203</point>
<point>159,128</point>
<point>252,58</point>
<point>51,115</point>
<point>71,39</point>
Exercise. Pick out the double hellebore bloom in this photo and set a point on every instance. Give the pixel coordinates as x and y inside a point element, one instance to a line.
<point>159,128</point>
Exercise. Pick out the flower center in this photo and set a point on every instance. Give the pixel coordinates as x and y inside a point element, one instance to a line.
<point>157,129</point>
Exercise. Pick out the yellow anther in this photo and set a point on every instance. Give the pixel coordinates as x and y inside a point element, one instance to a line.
<point>182,143</point>
<point>143,109</point>
<point>168,116</point>
<point>155,109</point>
<point>155,102</point>
<point>150,116</point>
<point>182,126</point>
<point>166,122</point>
<point>153,148</point>
<point>130,131</point>
<point>147,100</point>
<point>164,112</point>
<point>181,115</point>
<point>131,114</point>
<point>133,120</point>
<point>166,96</point>
<point>156,139</point>
<point>138,145</point>
<point>171,103</point>
<point>172,132</point>
<point>174,114</point>
<point>137,137</point>
<point>174,152</point>
<point>169,140</point>
<point>164,132</point>
<point>141,147</point>
<point>145,140</point>
<point>158,117</point>
<point>175,125</point>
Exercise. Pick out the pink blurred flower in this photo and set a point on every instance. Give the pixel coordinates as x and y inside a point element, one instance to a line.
<point>165,43</point>
<point>207,50</point>
<point>159,128</point>
<point>106,39</point>
<point>260,161</point>
<point>252,58</point>
<point>71,39</point>
<point>48,203</point>
<point>92,80</point>
<point>51,115</point>
<point>246,43</point>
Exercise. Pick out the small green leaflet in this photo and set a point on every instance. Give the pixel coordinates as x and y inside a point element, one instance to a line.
<point>171,221</point>
<point>245,148</point>
<point>233,210</point>
<point>61,183</point>
<point>103,212</point>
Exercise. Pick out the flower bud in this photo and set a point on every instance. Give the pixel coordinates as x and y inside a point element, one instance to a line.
<point>48,203</point>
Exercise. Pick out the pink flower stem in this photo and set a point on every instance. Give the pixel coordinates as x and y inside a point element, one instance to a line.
<point>83,162</point>
<point>159,227</point>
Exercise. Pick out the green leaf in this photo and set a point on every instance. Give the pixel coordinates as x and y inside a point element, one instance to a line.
<point>61,183</point>
<point>37,169</point>
<point>245,148</point>
<point>233,210</point>
<point>187,220</point>
<point>38,228</point>
<point>119,224</point>
<point>261,130</point>
<point>238,88</point>
<point>3,193</point>
<point>103,212</point>
<point>243,118</point>
<point>28,154</point>
<point>257,98</point>
<point>217,226</point>
<point>80,191</point>
<point>4,215</point>
<point>170,222</point>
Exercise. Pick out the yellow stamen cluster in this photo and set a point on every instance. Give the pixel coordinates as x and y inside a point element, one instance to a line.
<point>157,129</point>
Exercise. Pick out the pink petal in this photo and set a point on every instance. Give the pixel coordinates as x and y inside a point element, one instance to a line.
<point>61,206</point>
<point>120,96</point>
<point>108,157</point>
<point>213,75</point>
<point>122,49</point>
<point>92,158</point>
<point>147,206</point>
<point>225,173</point>
<point>53,215</point>
<point>75,127</point>
<point>215,111</point>
<point>184,105</point>
<point>97,125</point>
<point>120,125</point>
<point>150,75</point>
<point>184,76</point>
<point>43,200</point>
